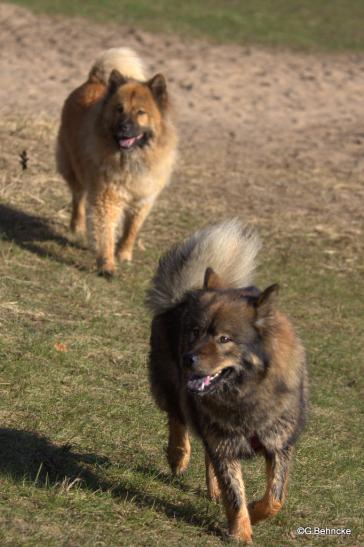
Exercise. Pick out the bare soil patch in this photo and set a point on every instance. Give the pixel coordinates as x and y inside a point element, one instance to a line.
<point>276,137</point>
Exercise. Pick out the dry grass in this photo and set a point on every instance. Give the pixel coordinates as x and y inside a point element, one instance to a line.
<point>81,442</point>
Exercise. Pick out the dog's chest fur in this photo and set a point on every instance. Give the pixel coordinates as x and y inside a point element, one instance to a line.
<point>133,175</point>
<point>240,420</point>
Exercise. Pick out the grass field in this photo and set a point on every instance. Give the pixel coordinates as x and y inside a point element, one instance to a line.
<point>81,442</point>
<point>333,25</point>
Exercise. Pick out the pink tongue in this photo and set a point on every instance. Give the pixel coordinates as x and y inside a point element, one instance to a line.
<point>200,383</point>
<point>127,143</point>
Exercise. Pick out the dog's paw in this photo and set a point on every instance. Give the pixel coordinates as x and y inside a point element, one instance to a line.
<point>242,534</point>
<point>261,509</point>
<point>107,273</point>
<point>105,268</point>
<point>214,493</point>
<point>243,538</point>
<point>78,230</point>
<point>141,245</point>
<point>125,256</point>
<point>178,459</point>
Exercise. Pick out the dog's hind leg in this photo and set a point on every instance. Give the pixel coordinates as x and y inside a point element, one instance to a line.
<point>277,468</point>
<point>133,222</point>
<point>231,483</point>
<point>65,168</point>
<point>78,215</point>
<point>212,484</point>
<point>179,448</point>
<point>78,218</point>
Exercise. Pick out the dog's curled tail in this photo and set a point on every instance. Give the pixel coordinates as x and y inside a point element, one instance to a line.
<point>123,59</point>
<point>229,248</point>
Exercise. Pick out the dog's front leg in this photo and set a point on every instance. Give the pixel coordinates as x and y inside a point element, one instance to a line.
<point>105,208</point>
<point>212,484</point>
<point>277,467</point>
<point>133,222</point>
<point>179,448</point>
<point>231,484</point>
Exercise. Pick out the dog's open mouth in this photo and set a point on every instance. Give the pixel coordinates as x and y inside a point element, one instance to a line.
<point>126,143</point>
<point>203,384</point>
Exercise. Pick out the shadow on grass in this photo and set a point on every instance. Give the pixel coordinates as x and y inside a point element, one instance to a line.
<point>168,479</point>
<point>152,472</point>
<point>185,511</point>
<point>30,456</point>
<point>24,454</point>
<point>29,232</point>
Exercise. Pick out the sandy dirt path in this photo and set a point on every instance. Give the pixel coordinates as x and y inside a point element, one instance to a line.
<point>275,136</point>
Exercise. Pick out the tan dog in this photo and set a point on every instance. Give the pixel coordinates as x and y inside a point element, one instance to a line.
<point>116,150</point>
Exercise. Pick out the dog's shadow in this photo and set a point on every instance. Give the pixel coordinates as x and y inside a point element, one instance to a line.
<point>32,233</point>
<point>168,479</point>
<point>25,454</point>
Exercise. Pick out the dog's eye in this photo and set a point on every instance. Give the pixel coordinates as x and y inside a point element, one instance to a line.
<point>224,339</point>
<point>120,109</point>
<point>141,112</point>
<point>195,332</point>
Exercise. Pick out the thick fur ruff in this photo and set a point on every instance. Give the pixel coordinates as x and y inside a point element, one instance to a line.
<point>116,151</point>
<point>229,248</point>
<point>226,363</point>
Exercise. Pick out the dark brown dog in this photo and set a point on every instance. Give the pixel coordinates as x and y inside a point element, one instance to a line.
<point>226,363</point>
<point>116,150</point>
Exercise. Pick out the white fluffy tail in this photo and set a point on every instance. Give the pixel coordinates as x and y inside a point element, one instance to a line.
<point>123,59</point>
<point>229,248</point>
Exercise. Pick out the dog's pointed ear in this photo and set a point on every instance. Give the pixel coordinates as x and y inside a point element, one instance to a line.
<point>212,280</point>
<point>265,304</point>
<point>116,79</point>
<point>158,87</point>
<point>251,293</point>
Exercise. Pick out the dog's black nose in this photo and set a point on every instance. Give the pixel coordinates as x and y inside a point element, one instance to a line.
<point>126,127</point>
<point>190,359</point>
